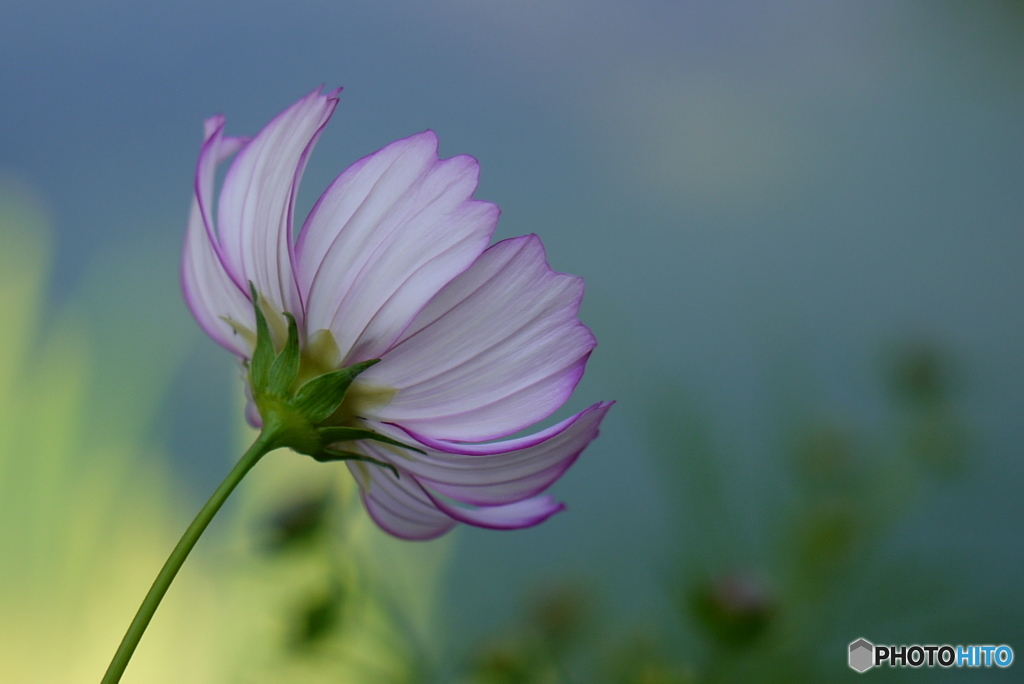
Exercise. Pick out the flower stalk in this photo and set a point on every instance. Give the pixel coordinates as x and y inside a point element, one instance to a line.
<point>267,441</point>
<point>292,417</point>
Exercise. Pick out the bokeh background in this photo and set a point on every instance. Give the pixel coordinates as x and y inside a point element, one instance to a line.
<point>800,225</point>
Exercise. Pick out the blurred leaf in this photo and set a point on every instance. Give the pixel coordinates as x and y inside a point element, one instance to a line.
<point>938,441</point>
<point>297,523</point>
<point>317,619</point>
<point>826,461</point>
<point>734,610</point>
<point>919,374</point>
<point>561,613</point>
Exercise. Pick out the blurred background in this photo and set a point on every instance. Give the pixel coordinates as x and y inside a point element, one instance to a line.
<point>800,225</point>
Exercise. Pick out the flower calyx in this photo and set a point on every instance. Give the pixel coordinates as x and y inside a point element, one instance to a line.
<point>297,414</point>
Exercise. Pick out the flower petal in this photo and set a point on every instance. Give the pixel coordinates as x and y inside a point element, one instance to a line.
<point>209,290</point>
<point>514,516</point>
<point>252,411</point>
<point>389,233</point>
<point>499,348</point>
<point>501,472</point>
<point>399,505</point>
<point>256,201</point>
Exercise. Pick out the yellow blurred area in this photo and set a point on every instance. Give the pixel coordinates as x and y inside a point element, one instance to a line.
<point>89,512</point>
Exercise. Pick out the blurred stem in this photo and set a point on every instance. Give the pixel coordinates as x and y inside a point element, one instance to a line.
<point>265,443</point>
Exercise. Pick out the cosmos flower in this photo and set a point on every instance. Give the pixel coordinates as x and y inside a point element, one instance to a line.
<point>474,342</point>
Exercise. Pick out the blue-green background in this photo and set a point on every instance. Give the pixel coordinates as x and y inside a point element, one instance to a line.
<point>760,197</point>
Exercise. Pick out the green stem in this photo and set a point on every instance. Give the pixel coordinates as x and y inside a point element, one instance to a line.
<point>265,443</point>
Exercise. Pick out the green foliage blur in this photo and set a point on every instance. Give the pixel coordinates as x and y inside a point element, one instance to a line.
<point>777,599</point>
<point>296,584</point>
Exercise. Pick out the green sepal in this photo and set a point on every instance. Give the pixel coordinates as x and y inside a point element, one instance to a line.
<point>293,415</point>
<point>328,455</point>
<point>263,355</point>
<point>321,396</point>
<point>348,434</point>
<point>286,365</point>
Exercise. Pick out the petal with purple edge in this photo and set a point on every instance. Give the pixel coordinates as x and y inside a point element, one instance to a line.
<point>513,516</point>
<point>256,201</point>
<point>407,509</point>
<point>252,412</point>
<point>501,472</point>
<point>384,238</point>
<point>499,348</point>
<point>399,505</point>
<point>209,290</point>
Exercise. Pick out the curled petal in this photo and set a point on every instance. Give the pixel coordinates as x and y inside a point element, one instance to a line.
<point>256,202</point>
<point>399,505</point>
<point>210,292</point>
<point>409,508</point>
<point>501,472</point>
<point>389,233</point>
<point>499,348</point>
<point>514,516</point>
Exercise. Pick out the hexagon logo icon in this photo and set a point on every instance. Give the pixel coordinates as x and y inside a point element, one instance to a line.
<point>862,654</point>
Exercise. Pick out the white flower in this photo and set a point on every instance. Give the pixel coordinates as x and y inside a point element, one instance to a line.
<point>475,343</point>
